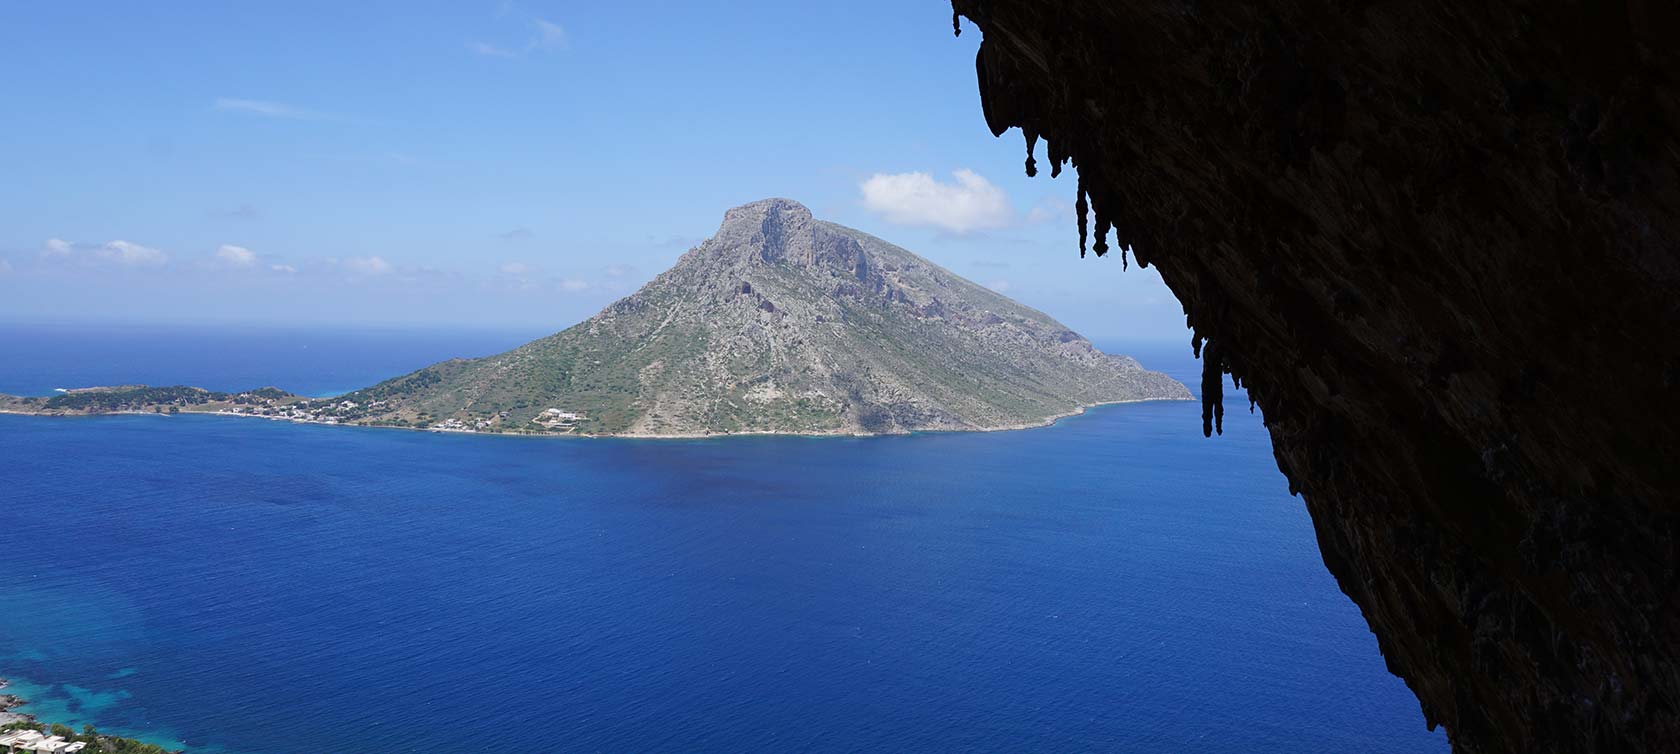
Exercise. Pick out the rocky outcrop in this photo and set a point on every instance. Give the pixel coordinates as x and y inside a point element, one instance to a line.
<point>1440,244</point>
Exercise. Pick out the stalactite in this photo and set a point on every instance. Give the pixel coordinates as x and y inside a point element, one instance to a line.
<point>1213,391</point>
<point>1032,143</point>
<point>1053,150</point>
<point>1080,208</point>
<point>956,23</point>
<point>1101,245</point>
<point>1123,251</point>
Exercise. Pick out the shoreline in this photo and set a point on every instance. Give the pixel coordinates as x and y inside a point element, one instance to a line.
<point>9,702</point>
<point>1049,421</point>
<point>1046,422</point>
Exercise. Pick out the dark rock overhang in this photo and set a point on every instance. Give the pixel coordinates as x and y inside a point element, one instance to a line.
<point>1440,244</point>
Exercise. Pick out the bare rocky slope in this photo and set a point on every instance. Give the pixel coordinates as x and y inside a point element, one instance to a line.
<point>780,323</point>
<point>1440,244</point>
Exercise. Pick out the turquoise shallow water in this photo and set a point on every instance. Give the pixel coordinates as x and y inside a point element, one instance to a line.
<point>1112,583</point>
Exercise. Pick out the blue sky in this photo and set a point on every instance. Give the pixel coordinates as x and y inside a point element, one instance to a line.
<point>495,164</point>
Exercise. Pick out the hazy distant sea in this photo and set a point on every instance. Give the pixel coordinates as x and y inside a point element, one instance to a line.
<point>1114,583</point>
<point>37,359</point>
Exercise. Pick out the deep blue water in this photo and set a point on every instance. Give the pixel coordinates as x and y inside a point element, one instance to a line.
<point>1114,583</point>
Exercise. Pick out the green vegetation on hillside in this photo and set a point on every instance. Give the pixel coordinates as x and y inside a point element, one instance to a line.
<point>170,399</point>
<point>131,398</point>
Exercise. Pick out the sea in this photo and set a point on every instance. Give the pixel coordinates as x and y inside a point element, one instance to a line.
<point>1112,583</point>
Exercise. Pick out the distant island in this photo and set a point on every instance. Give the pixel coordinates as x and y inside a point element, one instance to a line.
<point>778,324</point>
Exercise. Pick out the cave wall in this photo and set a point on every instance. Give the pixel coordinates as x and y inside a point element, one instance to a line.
<point>1440,244</point>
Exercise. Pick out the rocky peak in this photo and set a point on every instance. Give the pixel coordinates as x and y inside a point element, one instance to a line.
<point>774,209</point>
<point>771,229</point>
<point>783,232</point>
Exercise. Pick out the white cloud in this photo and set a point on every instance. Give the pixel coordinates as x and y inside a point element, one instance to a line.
<point>618,270</point>
<point>129,253</point>
<point>284,269</point>
<point>367,265</point>
<point>527,277</point>
<point>1001,286</point>
<point>5,266</point>
<point>546,36</point>
<point>268,109</point>
<point>119,252</point>
<point>550,36</point>
<point>490,50</point>
<point>971,203</point>
<point>237,256</point>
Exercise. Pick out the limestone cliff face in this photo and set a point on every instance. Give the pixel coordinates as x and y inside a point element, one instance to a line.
<point>1440,244</point>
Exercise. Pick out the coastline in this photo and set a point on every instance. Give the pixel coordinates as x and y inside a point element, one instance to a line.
<point>9,702</point>
<point>1046,422</point>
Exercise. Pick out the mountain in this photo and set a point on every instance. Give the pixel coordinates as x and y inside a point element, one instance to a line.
<point>778,323</point>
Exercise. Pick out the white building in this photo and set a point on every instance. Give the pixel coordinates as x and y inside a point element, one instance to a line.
<point>52,745</point>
